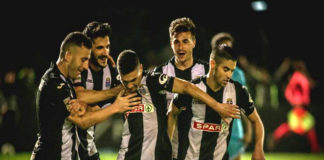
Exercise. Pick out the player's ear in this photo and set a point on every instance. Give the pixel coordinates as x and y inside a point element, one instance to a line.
<point>68,56</point>
<point>141,68</point>
<point>212,64</point>
<point>194,42</point>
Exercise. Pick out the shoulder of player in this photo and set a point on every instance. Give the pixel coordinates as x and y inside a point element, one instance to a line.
<point>159,68</point>
<point>52,80</point>
<point>200,61</point>
<point>198,79</point>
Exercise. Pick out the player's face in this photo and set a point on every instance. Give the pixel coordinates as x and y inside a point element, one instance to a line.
<point>182,45</point>
<point>132,80</point>
<point>100,51</point>
<point>224,71</point>
<point>79,61</point>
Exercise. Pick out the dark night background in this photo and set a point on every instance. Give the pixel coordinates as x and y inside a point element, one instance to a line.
<point>31,35</point>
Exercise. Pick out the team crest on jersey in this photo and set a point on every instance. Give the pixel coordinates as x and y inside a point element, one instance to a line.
<point>163,79</point>
<point>229,101</point>
<point>66,102</point>
<point>148,108</point>
<point>141,108</point>
<point>225,126</point>
<point>108,82</point>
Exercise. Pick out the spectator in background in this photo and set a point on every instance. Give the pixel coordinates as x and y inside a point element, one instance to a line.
<point>10,114</point>
<point>26,103</point>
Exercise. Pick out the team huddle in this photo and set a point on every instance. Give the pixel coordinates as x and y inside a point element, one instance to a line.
<point>183,109</point>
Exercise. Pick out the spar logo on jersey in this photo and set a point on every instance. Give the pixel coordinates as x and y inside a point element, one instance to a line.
<point>141,108</point>
<point>208,127</point>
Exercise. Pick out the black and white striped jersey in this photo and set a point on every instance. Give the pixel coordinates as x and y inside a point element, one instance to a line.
<point>145,135</point>
<point>56,138</point>
<point>199,68</point>
<point>92,80</point>
<point>202,132</point>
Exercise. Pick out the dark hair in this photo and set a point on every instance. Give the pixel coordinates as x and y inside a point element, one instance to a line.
<point>74,39</point>
<point>226,52</point>
<point>183,24</point>
<point>127,61</point>
<point>96,29</point>
<point>220,37</point>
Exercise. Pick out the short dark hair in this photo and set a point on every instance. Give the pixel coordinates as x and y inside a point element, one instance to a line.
<point>127,61</point>
<point>74,39</point>
<point>226,52</point>
<point>96,29</point>
<point>219,37</point>
<point>183,24</point>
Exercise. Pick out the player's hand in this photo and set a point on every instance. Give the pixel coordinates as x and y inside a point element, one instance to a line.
<point>111,61</point>
<point>229,111</point>
<point>77,107</point>
<point>126,103</point>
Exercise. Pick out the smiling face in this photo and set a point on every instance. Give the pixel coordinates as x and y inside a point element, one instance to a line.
<point>79,60</point>
<point>182,45</point>
<point>100,51</point>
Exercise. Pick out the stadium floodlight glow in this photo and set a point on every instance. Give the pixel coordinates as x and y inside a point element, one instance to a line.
<point>259,5</point>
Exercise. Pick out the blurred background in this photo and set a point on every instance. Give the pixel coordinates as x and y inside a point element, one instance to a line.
<point>268,34</point>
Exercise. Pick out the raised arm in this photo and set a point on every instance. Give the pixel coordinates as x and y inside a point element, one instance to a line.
<point>93,96</point>
<point>225,110</point>
<point>121,105</point>
<point>258,153</point>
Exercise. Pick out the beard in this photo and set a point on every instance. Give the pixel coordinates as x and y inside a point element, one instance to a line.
<point>95,60</point>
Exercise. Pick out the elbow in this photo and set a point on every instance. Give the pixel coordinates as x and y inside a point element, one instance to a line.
<point>83,123</point>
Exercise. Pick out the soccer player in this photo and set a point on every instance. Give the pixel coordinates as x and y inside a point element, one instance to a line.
<point>145,128</point>
<point>183,65</point>
<point>56,99</point>
<point>238,140</point>
<point>203,134</point>
<point>96,84</point>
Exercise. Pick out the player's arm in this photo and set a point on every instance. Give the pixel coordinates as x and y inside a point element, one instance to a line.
<point>121,104</point>
<point>248,130</point>
<point>172,120</point>
<point>185,87</point>
<point>258,152</point>
<point>94,96</point>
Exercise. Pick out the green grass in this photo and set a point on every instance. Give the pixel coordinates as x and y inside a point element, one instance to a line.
<point>246,156</point>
